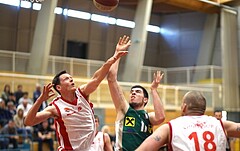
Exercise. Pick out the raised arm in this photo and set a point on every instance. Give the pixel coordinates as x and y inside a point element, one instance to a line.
<point>116,92</point>
<point>158,116</point>
<point>101,73</point>
<point>159,138</point>
<point>34,117</point>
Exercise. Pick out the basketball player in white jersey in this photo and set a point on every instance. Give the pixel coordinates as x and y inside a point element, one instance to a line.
<point>193,131</point>
<point>218,115</point>
<point>72,111</point>
<point>102,140</point>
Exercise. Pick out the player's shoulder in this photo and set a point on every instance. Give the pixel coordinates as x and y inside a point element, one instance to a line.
<point>50,108</point>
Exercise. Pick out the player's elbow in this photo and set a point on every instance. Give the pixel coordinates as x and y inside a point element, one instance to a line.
<point>159,120</point>
<point>28,122</point>
<point>162,119</point>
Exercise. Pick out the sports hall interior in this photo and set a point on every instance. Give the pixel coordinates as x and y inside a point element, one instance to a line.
<point>195,43</point>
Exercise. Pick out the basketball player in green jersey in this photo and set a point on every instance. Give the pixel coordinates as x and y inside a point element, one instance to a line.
<point>133,123</point>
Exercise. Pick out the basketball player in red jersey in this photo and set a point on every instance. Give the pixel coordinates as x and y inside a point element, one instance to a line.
<point>72,111</point>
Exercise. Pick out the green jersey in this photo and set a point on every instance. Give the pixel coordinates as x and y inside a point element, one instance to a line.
<point>132,130</point>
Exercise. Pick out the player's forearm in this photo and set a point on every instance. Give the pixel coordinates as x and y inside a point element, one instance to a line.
<point>158,107</point>
<point>112,75</point>
<point>29,119</point>
<point>101,73</point>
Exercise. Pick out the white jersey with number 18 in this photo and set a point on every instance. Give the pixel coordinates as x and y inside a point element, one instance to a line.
<point>197,133</point>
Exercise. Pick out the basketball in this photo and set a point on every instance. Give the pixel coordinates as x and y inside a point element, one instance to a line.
<point>106,5</point>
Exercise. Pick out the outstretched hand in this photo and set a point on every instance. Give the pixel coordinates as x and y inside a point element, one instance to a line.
<point>47,92</point>
<point>157,77</point>
<point>122,46</point>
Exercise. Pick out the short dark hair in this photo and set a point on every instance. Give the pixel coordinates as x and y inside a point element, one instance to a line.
<point>145,93</point>
<point>25,93</point>
<point>96,117</point>
<point>217,110</point>
<point>56,80</point>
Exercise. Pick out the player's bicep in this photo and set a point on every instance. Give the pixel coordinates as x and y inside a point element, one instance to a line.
<point>45,114</point>
<point>232,129</point>
<point>88,88</point>
<point>161,135</point>
<point>156,140</point>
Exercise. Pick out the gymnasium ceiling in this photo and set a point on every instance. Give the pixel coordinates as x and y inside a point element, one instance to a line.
<point>178,6</point>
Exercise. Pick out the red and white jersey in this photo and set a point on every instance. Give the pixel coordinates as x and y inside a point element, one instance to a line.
<point>197,133</point>
<point>75,127</point>
<point>98,142</point>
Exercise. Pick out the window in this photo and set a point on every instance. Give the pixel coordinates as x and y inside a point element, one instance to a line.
<point>77,49</point>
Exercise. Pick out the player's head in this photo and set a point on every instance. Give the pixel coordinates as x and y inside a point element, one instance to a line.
<point>218,114</point>
<point>145,93</point>
<point>56,80</point>
<point>97,121</point>
<point>105,129</point>
<point>139,92</point>
<point>194,103</point>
